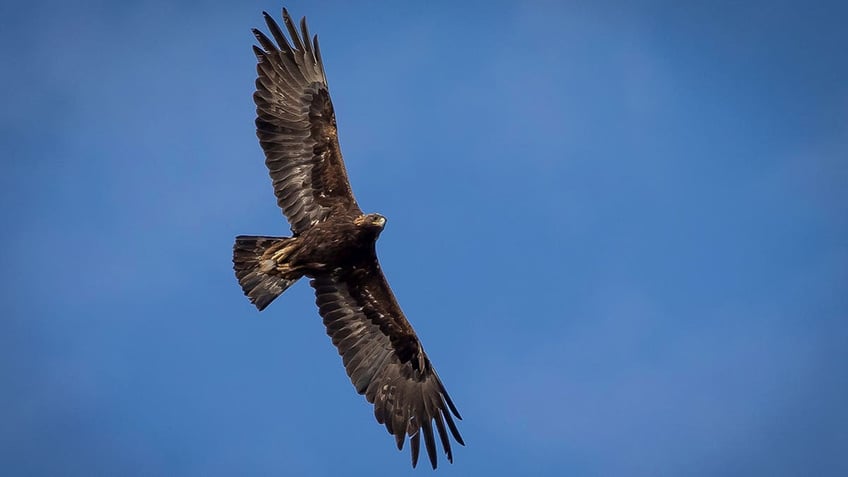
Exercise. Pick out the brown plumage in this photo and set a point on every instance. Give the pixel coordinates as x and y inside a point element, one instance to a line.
<point>333,243</point>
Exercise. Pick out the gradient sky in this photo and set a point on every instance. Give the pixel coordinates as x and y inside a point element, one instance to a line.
<point>619,228</point>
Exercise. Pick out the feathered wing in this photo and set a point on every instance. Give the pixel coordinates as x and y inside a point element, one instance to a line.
<point>296,126</point>
<point>384,359</point>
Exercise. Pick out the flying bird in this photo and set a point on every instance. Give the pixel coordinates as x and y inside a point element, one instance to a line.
<point>333,243</point>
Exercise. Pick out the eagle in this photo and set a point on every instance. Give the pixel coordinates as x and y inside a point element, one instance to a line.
<point>333,243</point>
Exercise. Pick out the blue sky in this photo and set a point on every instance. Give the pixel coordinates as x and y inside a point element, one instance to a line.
<point>619,228</point>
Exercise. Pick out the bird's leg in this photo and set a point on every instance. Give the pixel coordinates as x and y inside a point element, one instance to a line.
<point>279,259</point>
<point>282,254</point>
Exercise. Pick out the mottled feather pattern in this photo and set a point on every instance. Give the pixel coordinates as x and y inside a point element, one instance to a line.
<point>296,126</point>
<point>368,328</point>
<point>334,245</point>
<point>259,286</point>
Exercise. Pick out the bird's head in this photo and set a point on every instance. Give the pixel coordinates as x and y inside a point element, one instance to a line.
<point>374,222</point>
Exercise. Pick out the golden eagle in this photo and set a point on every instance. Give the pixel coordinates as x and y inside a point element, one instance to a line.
<point>333,243</point>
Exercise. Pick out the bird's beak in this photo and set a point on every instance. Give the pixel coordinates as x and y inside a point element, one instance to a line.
<point>381,221</point>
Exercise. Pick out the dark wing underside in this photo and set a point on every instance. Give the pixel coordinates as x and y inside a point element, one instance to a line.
<point>296,126</point>
<point>384,359</point>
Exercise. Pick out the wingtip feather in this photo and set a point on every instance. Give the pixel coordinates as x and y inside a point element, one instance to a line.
<point>430,443</point>
<point>415,447</point>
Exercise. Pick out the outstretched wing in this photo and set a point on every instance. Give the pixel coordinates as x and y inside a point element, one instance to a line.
<point>384,359</point>
<point>296,126</point>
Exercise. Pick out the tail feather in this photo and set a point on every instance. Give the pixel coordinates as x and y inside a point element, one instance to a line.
<point>256,271</point>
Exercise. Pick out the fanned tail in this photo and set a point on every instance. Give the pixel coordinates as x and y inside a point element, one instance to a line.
<point>255,261</point>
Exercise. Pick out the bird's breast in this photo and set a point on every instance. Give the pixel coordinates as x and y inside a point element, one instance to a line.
<point>335,244</point>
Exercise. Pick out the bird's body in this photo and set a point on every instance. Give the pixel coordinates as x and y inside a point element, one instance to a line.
<point>334,244</point>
